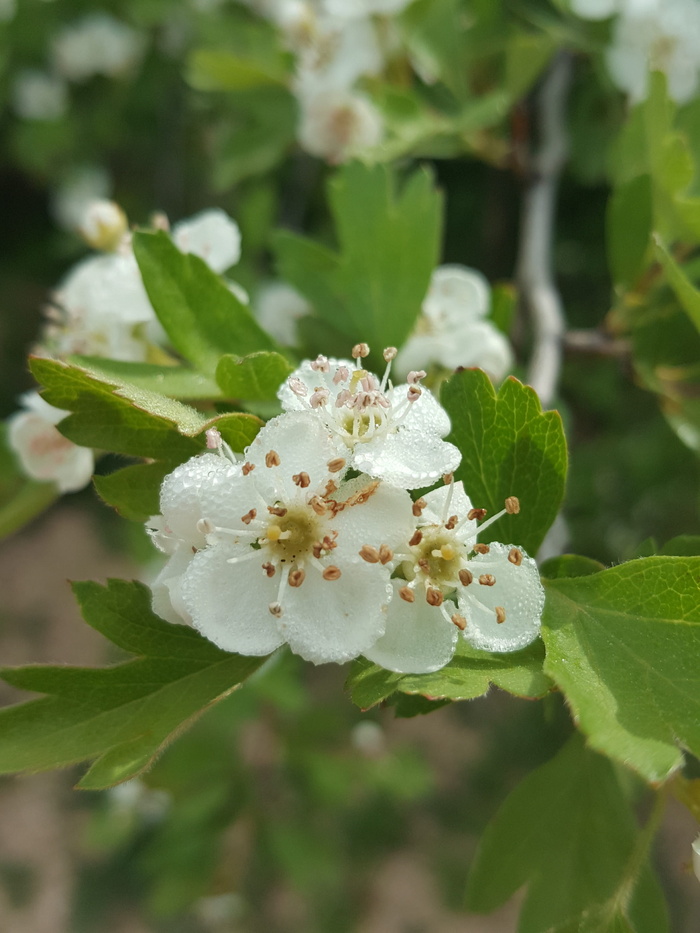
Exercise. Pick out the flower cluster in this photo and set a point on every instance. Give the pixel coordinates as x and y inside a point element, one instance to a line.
<point>101,309</point>
<point>336,44</point>
<point>648,35</point>
<point>312,538</point>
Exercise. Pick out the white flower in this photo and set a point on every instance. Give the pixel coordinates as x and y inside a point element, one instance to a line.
<point>332,52</point>
<point>394,434</point>
<point>37,95</point>
<point>280,561</point>
<point>79,188</point>
<point>664,38</point>
<point>453,330</point>
<point>278,307</point>
<point>492,594</point>
<point>44,453</point>
<point>353,8</point>
<point>213,236</point>
<point>102,310</point>
<point>96,44</point>
<point>103,224</point>
<point>696,858</point>
<point>337,124</point>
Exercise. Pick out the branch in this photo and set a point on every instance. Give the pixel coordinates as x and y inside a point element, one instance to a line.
<point>534,268</point>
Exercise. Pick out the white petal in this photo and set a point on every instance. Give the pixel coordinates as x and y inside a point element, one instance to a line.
<point>312,380</point>
<point>696,858</point>
<point>426,414</point>
<point>418,638</point>
<point>517,590</point>
<point>46,455</point>
<point>385,518</point>
<point>303,445</point>
<point>336,620</point>
<point>460,504</point>
<point>407,459</point>
<point>213,236</point>
<point>167,587</point>
<point>478,344</point>
<point>229,603</point>
<point>183,491</point>
<point>456,294</point>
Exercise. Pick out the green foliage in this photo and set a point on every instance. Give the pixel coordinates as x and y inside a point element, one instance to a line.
<point>121,715</point>
<point>469,674</point>
<point>510,447</point>
<point>173,381</point>
<point>256,377</point>
<point>134,491</point>
<point>389,243</point>
<point>569,833</point>
<point>569,565</point>
<point>200,314</point>
<point>115,415</point>
<point>622,646</point>
<point>629,224</point>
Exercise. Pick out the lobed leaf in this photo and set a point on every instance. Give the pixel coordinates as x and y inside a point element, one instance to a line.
<point>568,833</point>
<point>510,447</point>
<point>624,647</point>
<point>121,715</point>
<point>469,675</point>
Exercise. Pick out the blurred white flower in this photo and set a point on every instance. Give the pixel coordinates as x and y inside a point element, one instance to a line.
<point>44,453</point>
<point>492,594</point>
<point>71,198</point>
<point>97,44</point>
<point>352,8</point>
<point>281,561</point>
<point>394,433</point>
<point>103,225</point>
<point>37,95</point>
<point>338,124</point>
<point>453,330</point>
<point>213,236</point>
<point>278,307</point>
<point>332,52</point>
<point>663,38</point>
<point>696,858</point>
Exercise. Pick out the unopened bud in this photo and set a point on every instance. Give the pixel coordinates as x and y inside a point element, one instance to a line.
<point>103,225</point>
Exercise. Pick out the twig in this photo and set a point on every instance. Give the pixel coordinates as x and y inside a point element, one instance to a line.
<point>534,268</point>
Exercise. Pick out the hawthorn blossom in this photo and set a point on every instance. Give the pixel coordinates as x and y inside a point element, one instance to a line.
<point>103,224</point>
<point>213,236</point>
<point>491,594</point>
<point>453,330</point>
<point>663,37</point>
<point>43,452</point>
<point>37,95</point>
<point>268,550</point>
<point>394,434</point>
<point>337,124</point>
<point>278,307</point>
<point>96,44</point>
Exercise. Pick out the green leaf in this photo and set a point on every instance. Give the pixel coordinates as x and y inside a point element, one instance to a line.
<point>256,377</point>
<point>114,415</point>
<point>389,245</point>
<point>134,491</point>
<point>174,381</point>
<point>568,833</point>
<point>214,70</point>
<point>121,715</point>
<point>569,565</point>
<point>469,674</point>
<point>685,291</point>
<point>624,647</point>
<point>682,546</point>
<point>628,226</point>
<point>510,447</point>
<point>200,314</point>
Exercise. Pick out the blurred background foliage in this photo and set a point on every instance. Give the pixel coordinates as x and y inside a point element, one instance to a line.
<point>282,808</point>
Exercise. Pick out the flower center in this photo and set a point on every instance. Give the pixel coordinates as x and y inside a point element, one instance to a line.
<point>438,557</point>
<point>290,538</point>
